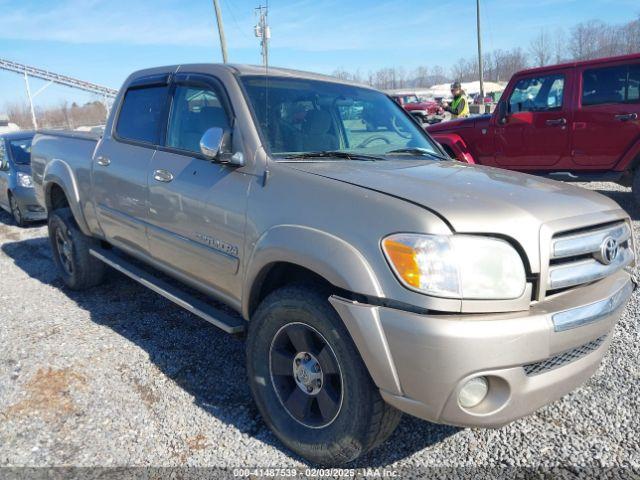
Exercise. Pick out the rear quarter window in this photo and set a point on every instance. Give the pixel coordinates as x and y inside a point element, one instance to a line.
<point>606,85</point>
<point>141,115</point>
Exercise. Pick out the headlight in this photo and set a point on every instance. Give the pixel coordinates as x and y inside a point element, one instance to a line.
<point>25,180</point>
<point>456,266</point>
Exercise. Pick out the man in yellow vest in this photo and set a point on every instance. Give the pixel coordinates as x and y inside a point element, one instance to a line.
<point>459,106</point>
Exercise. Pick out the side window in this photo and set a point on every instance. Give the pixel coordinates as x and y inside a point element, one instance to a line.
<point>633,84</point>
<point>537,94</point>
<point>604,85</point>
<point>141,114</point>
<point>194,111</point>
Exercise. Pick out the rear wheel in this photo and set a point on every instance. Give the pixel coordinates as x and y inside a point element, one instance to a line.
<point>309,382</point>
<point>79,270</point>
<point>18,216</point>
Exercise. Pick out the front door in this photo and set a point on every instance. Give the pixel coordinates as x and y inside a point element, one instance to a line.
<point>536,132</point>
<point>121,164</point>
<point>607,122</point>
<point>197,206</point>
<point>4,175</point>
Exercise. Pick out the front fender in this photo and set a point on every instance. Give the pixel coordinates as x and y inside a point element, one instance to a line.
<point>337,261</point>
<point>58,172</point>
<point>457,145</point>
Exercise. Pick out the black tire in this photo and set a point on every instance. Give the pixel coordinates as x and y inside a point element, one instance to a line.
<point>363,419</point>
<point>79,270</point>
<point>18,216</point>
<point>635,186</point>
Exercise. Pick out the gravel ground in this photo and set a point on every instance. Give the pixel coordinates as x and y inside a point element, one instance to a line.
<point>118,376</point>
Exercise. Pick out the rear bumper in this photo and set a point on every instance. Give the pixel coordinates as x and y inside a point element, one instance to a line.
<point>421,362</point>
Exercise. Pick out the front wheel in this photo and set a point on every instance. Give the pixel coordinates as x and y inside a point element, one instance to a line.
<point>18,217</point>
<point>309,382</point>
<point>79,270</point>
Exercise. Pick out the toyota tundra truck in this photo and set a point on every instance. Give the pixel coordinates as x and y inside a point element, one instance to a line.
<point>574,122</point>
<point>370,273</point>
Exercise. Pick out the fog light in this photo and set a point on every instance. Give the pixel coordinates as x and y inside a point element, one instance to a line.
<point>473,392</point>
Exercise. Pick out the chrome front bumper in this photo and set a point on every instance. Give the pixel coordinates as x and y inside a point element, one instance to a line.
<point>421,362</point>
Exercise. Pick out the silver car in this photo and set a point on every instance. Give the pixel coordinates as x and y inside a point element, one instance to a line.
<point>17,195</point>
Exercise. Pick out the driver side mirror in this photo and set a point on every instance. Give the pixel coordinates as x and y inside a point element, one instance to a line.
<point>212,144</point>
<point>502,112</point>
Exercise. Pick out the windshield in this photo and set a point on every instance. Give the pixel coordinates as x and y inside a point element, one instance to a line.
<point>298,116</point>
<point>21,151</point>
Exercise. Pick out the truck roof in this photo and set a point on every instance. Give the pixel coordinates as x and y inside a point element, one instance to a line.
<point>250,70</point>
<point>582,63</point>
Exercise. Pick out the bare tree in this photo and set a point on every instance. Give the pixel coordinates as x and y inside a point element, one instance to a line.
<point>421,77</point>
<point>585,40</point>
<point>62,116</point>
<point>540,48</point>
<point>559,45</point>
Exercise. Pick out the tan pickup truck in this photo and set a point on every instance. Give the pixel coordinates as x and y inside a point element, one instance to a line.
<point>371,274</point>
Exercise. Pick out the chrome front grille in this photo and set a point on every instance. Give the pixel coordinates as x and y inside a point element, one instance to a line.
<point>563,358</point>
<point>589,255</point>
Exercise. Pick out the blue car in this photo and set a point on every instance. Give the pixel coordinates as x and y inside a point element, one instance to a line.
<point>16,185</point>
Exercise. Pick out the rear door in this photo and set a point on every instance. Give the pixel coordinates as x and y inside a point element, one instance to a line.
<point>121,164</point>
<point>607,119</point>
<point>536,133</point>
<point>197,206</point>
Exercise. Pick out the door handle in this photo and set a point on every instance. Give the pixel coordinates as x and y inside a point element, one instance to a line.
<point>162,176</point>
<point>625,117</point>
<point>556,122</point>
<point>104,161</point>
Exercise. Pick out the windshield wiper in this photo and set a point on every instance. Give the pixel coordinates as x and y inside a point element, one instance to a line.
<point>335,154</point>
<point>417,151</point>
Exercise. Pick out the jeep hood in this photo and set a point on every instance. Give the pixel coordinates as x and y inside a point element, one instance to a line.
<point>471,198</point>
<point>477,121</point>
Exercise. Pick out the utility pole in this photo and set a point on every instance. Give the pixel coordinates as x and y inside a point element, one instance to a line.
<point>223,40</point>
<point>263,32</point>
<point>480,53</point>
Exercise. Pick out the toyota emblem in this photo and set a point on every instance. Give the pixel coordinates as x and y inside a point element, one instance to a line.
<point>608,250</point>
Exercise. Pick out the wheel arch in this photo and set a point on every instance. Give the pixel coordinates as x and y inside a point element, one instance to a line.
<point>302,252</point>
<point>56,196</point>
<point>631,159</point>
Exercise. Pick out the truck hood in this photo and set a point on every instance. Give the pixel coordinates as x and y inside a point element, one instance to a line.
<point>471,198</point>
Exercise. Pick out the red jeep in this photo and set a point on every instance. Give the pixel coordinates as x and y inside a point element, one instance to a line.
<point>423,110</point>
<point>576,121</point>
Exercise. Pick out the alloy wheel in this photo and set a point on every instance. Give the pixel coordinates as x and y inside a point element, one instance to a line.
<point>65,250</point>
<point>306,375</point>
